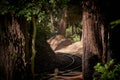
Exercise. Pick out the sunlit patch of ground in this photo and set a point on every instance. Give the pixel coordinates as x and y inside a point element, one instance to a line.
<point>58,41</point>
<point>59,44</point>
<point>69,76</point>
<point>74,48</point>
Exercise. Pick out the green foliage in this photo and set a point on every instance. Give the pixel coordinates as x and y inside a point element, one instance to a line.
<point>28,7</point>
<point>51,1</point>
<point>43,31</point>
<point>108,71</point>
<point>115,23</point>
<point>76,38</point>
<point>21,7</point>
<point>68,31</point>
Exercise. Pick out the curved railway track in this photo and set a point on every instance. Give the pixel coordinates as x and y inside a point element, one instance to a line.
<point>66,61</point>
<point>69,63</point>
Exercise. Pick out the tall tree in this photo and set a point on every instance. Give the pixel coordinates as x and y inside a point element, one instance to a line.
<point>63,23</point>
<point>17,40</point>
<point>12,45</point>
<point>95,36</point>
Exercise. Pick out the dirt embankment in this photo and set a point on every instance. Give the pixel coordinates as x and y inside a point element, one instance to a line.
<point>60,44</point>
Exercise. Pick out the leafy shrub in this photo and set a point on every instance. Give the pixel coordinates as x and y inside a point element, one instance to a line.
<point>108,71</point>
<point>76,38</point>
<point>68,32</point>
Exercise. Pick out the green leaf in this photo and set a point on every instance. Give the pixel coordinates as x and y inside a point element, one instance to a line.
<point>51,1</point>
<point>115,23</point>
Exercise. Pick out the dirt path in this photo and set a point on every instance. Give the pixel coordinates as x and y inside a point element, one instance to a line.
<point>75,75</point>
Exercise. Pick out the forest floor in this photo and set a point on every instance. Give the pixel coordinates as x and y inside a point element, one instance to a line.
<point>71,53</point>
<point>71,76</point>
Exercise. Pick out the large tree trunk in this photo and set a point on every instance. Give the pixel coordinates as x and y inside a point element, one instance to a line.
<point>16,49</point>
<point>63,23</point>
<point>12,45</point>
<point>94,37</point>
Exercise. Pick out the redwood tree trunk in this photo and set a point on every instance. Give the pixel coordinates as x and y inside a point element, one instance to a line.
<point>12,42</point>
<point>63,23</point>
<point>94,37</point>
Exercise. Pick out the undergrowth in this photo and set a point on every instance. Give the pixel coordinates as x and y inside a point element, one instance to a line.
<point>108,71</point>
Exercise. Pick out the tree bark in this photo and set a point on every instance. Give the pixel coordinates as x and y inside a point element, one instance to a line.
<point>16,49</point>
<point>63,23</point>
<point>94,37</point>
<point>12,45</point>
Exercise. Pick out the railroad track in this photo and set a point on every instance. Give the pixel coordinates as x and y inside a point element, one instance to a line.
<point>69,64</point>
